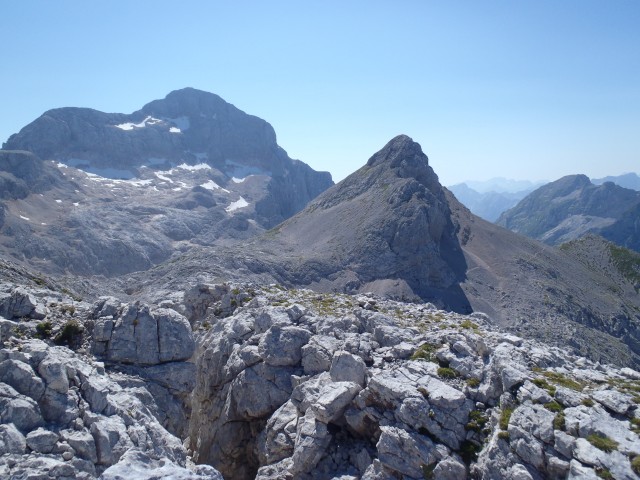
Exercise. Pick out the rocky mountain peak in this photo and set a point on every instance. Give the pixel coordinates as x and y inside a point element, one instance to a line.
<point>398,150</point>
<point>406,158</point>
<point>386,228</point>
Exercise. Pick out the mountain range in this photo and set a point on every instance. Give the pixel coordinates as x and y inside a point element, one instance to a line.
<point>274,325</point>
<point>572,207</point>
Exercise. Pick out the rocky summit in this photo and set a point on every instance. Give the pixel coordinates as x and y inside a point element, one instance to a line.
<point>386,228</point>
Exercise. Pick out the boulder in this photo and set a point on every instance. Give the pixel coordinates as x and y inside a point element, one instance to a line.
<point>282,346</point>
<point>404,452</point>
<point>42,440</point>
<point>346,367</point>
<point>21,376</point>
<point>11,440</point>
<point>18,409</point>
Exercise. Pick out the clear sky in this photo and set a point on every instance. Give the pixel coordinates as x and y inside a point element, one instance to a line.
<point>522,89</point>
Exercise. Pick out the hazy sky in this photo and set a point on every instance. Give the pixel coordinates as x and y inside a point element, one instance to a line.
<point>527,89</point>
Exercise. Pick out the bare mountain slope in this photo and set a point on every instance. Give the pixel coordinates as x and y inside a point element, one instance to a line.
<point>547,293</point>
<point>392,229</point>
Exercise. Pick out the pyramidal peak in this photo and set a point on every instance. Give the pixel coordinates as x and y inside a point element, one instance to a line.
<point>397,150</point>
<point>406,158</point>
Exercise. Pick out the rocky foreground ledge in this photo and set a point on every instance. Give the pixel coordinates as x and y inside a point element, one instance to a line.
<point>268,383</point>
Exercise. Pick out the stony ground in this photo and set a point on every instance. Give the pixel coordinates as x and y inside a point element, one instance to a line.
<point>269,383</point>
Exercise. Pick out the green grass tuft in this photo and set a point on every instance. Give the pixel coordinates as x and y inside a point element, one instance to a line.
<point>426,352</point>
<point>447,372</point>
<point>602,442</point>
<point>505,416</point>
<point>553,406</point>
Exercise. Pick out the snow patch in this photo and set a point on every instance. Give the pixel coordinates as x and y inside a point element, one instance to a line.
<point>58,201</point>
<point>241,203</point>
<point>193,168</point>
<point>182,123</point>
<point>25,218</point>
<point>137,183</point>
<point>211,185</point>
<point>130,125</point>
<point>174,130</point>
<point>238,180</point>
<point>110,173</point>
<point>75,204</point>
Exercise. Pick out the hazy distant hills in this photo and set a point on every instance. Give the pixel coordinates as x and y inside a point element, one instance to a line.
<point>627,180</point>
<point>489,198</point>
<point>572,207</point>
<point>487,204</point>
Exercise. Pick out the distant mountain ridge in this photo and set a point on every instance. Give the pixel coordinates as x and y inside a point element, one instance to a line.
<point>502,185</point>
<point>572,207</point>
<point>488,205</point>
<point>626,180</point>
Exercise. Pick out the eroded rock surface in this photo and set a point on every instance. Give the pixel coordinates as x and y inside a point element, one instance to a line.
<point>301,386</point>
<point>63,416</point>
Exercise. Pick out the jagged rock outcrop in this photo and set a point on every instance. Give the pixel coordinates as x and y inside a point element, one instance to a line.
<point>152,345</point>
<point>299,385</point>
<point>62,416</point>
<point>568,209</point>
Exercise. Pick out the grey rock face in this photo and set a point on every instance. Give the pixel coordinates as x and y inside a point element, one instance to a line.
<point>373,413</point>
<point>94,426</point>
<point>20,304</point>
<point>141,336</point>
<point>11,440</point>
<point>398,200</point>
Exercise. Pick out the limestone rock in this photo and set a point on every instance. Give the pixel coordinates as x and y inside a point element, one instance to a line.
<point>42,440</point>
<point>21,376</point>
<point>11,440</point>
<point>346,367</point>
<point>281,346</point>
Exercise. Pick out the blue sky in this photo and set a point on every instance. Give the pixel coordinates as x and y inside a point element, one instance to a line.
<point>526,90</point>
